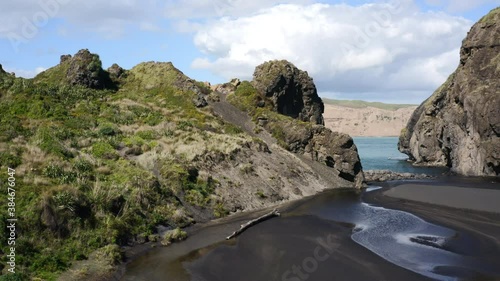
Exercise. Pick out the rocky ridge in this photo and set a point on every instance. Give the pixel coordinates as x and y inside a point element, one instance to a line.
<point>459,125</point>
<point>106,158</point>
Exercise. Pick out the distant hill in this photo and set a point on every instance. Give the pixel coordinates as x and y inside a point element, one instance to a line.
<point>368,119</point>
<point>365,104</point>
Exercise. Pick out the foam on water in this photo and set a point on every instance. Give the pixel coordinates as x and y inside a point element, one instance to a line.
<point>389,233</point>
<point>400,238</point>
<point>373,188</point>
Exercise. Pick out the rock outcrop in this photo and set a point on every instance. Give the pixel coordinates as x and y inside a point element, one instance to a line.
<point>85,69</point>
<point>82,69</point>
<point>291,90</point>
<point>116,71</point>
<point>459,125</point>
<point>318,143</point>
<point>387,175</point>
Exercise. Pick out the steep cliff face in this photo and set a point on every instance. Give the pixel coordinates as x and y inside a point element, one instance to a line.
<point>459,125</point>
<point>279,91</point>
<point>291,90</point>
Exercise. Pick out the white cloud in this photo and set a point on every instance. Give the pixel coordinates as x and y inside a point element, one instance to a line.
<point>23,19</point>
<point>458,6</point>
<point>372,48</point>
<point>201,9</point>
<point>25,72</point>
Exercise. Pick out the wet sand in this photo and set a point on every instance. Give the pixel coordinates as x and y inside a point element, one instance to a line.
<point>454,204</point>
<point>292,247</point>
<point>471,198</point>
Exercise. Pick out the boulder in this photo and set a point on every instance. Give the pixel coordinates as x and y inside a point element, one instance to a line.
<point>199,101</point>
<point>291,90</point>
<point>459,125</point>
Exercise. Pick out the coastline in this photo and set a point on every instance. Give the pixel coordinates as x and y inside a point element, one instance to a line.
<point>469,223</point>
<point>478,231</point>
<point>347,260</point>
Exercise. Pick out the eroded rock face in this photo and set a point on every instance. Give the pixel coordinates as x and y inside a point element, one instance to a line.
<point>333,149</point>
<point>459,125</point>
<point>291,90</point>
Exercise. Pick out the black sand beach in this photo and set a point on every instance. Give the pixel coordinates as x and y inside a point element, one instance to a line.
<point>304,245</point>
<point>471,206</point>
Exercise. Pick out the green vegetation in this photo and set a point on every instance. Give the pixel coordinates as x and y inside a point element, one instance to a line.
<point>365,104</point>
<point>247,98</point>
<point>490,17</point>
<point>81,193</point>
<point>173,236</point>
<point>260,194</point>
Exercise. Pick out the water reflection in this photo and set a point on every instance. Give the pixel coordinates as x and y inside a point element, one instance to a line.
<point>274,246</point>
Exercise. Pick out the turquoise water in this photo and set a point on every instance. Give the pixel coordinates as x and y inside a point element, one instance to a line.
<point>381,153</point>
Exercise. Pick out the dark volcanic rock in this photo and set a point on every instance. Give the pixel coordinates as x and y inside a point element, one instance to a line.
<point>86,69</point>
<point>65,58</point>
<point>333,149</point>
<point>115,71</point>
<point>2,72</point>
<point>459,125</point>
<point>291,90</point>
<point>386,175</point>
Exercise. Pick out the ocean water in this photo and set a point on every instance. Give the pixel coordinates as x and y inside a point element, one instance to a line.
<point>381,153</point>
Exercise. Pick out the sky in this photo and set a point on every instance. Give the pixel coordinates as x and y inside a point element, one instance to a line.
<point>396,51</point>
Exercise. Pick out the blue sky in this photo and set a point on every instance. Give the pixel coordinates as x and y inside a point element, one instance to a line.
<point>392,51</point>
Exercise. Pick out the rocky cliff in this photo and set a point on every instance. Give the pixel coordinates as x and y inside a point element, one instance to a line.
<point>459,125</point>
<point>291,90</point>
<point>277,88</point>
<point>106,158</point>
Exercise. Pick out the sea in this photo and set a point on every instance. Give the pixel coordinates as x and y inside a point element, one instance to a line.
<point>381,153</point>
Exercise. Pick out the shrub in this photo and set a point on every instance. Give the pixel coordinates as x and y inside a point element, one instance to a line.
<point>83,166</point>
<point>104,150</point>
<point>53,171</point>
<point>147,135</point>
<point>108,130</point>
<point>184,125</point>
<point>260,194</point>
<point>10,160</point>
<point>110,254</point>
<point>50,144</point>
<point>220,211</point>
<point>173,236</point>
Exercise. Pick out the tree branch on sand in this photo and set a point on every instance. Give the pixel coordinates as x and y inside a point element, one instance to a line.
<point>253,222</point>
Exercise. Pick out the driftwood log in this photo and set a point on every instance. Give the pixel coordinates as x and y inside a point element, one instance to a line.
<point>253,222</point>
